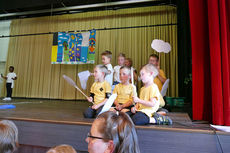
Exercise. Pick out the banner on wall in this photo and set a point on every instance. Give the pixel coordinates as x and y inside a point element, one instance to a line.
<point>74,48</point>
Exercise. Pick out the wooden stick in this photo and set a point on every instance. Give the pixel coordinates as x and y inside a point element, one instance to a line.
<point>81,91</point>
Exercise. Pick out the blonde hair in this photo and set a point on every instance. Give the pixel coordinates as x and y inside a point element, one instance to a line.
<point>8,137</point>
<point>151,69</point>
<point>103,69</point>
<point>13,126</point>
<point>119,128</point>
<point>107,53</point>
<point>127,69</point>
<point>62,149</point>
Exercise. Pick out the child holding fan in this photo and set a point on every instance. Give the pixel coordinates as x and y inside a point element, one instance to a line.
<point>99,92</point>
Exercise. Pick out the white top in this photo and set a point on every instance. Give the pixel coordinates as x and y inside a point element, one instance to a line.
<point>109,77</point>
<point>10,77</point>
<point>116,73</point>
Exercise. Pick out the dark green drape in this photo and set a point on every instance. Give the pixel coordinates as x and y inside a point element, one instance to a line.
<point>184,51</point>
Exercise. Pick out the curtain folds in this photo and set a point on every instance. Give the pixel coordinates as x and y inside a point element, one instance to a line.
<point>209,22</point>
<point>31,55</point>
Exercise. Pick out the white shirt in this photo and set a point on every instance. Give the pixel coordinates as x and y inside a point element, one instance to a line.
<point>109,77</point>
<point>10,77</point>
<point>117,73</point>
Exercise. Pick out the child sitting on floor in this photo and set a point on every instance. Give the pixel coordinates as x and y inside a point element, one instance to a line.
<point>125,91</point>
<point>99,92</point>
<point>150,99</point>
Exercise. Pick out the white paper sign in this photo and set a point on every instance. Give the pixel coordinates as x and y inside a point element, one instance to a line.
<point>221,128</point>
<point>83,77</point>
<point>161,46</point>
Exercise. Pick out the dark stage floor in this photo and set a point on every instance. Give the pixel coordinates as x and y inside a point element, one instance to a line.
<point>65,111</point>
<point>46,123</point>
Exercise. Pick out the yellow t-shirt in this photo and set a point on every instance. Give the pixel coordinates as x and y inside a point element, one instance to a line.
<point>100,89</point>
<point>157,81</point>
<point>124,93</point>
<point>150,92</point>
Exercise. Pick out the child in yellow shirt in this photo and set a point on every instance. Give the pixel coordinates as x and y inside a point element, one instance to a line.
<point>99,92</point>
<point>124,90</point>
<point>150,100</point>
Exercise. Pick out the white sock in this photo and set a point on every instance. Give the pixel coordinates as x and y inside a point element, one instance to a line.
<point>152,120</point>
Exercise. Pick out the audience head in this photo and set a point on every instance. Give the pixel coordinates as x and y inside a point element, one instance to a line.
<point>125,74</point>
<point>62,149</point>
<point>100,71</point>
<point>128,62</point>
<point>114,133</point>
<point>121,59</point>
<point>148,72</point>
<point>8,136</point>
<point>154,59</point>
<point>106,57</point>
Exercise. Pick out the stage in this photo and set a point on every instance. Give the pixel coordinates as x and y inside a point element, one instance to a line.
<point>46,123</point>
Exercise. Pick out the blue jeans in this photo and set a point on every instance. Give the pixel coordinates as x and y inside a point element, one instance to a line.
<point>92,113</point>
<point>139,118</point>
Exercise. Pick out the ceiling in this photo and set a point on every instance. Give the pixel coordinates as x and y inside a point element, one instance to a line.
<point>11,9</point>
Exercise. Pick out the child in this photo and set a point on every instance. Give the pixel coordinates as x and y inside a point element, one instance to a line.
<point>121,62</point>
<point>124,90</point>
<point>9,82</point>
<point>106,58</point>
<point>99,92</point>
<point>160,79</point>
<point>150,100</point>
<point>129,63</point>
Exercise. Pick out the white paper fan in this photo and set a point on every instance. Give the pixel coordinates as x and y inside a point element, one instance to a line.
<point>83,77</point>
<point>161,46</point>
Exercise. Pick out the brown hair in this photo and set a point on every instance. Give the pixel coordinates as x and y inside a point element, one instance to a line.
<point>120,129</point>
<point>154,55</point>
<point>8,137</point>
<point>107,53</point>
<point>62,149</point>
<point>130,61</point>
<point>121,55</point>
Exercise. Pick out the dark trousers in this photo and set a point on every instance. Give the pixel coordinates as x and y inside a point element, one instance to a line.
<point>92,113</point>
<point>9,89</point>
<point>139,118</point>
<point>115,83</point>
<point>129,107</point>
